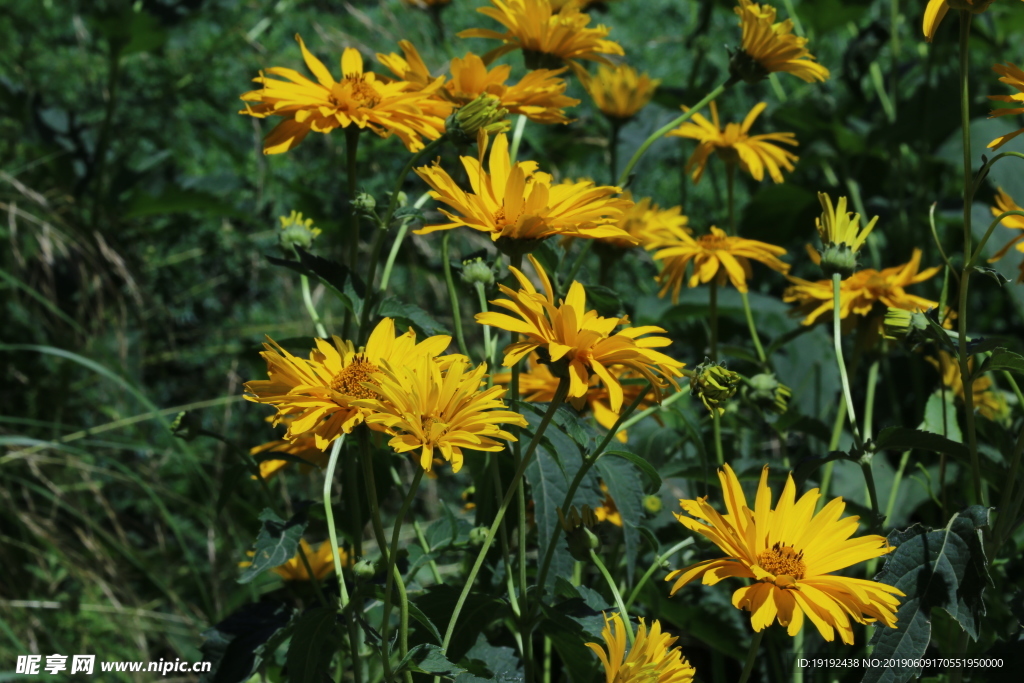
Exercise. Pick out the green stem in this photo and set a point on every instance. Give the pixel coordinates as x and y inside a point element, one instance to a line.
<point>713,315</point>
<point>1006,514</point>
<point>716,422</point>
<point>453,296</point>
<point>623,612</point>
<point>517,138</point>
<point>661,132</point>
<point>403,230</point>
<point>560,393</point>
<point>329,512</point>
<point>869,400</point>
<point>506,555</point>
<point>426,549</point>
<point>837,337</point>
<point>748,668</point>
<point>307,298</point>
<point>490,348</point>
<point>403,628</point>
<point>798,647</point>
<point>647,412</point>
<point>754,336</point>
<point>896,481</point>
<point>654,567</point>
<point>578,263</point>
<point>833,444</point>
<point>869,482</point>
<point>988,233</point>
<point>980,177</point>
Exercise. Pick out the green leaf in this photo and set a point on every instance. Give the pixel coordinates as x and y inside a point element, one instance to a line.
<point>308,658</point>
<point>940,417</point>
<point>937,569</point>
<point>416,613</point>
<point>251,634</point>
<point>1002,359</point>
<point>548,486</point>
<point>992,273</point>
<point>429,659</point>
<point>902,439</point>
<point>346,285</point>
<point>623,482</point>
<point>486,662</point>
<point>568,636</point>
<point>642,464</point>
<point>480,610</point>
<point>413,315</point>
<point>276,543</point>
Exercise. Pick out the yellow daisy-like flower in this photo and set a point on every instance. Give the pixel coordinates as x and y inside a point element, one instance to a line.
<point>790,553</point>
<point>936,10</point>
<point>646,223</point>
<point>583,339</point>
<point>839,227</point>
<point>547,38</point>
<point>990,403</point>
<point>716,255</point>
<point>1013,76</point>
<point>359,99</point>
<point>621,91</point>
<point>859,293</point>
<point>321,561</point>
<point>539,96</point>
<point>303,447</point>
<point>518,202</point>
<point>427,408</point>
<point>769,47</point>
<point>734,145</point>
<point>608,511</point>
<point>1004,203</point>
<point>652,658</point>
<point>317,397</point>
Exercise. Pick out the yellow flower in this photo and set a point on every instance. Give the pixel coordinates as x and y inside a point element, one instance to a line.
<point>547,38</point>
<point>839,227</point>
<point>517,202</point>
<point>303,447</point>
<point>987,401</point>
<point>769,47</point>
<point>936,11</point>
<point>646,224</point>
<point>321,561</point>
<point>358,99</point>
<point>859,293</point>
<point>716,255</point>
<point>790,553</point>
<point>316,397</point>
<point>734,145</point>
<point>652,658</point>
<point>425,407</point>
<point>1004,203</point>
<point>567,330</point>
<point>620,91</point>
<point>608,511</point>
<point>1013,76</point>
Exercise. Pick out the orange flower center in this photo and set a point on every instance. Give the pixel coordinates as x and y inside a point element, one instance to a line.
<point>349,380</point>
<point>783,560</point>
<point>358,90</point>
<point>714,241</point>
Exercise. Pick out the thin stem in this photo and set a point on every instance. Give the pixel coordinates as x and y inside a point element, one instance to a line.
<point>403,632</point>
<point>426,549</point>
<point>578,263</point>
<point>837,337</point>
<point>1005,513</point>
<point>623,612</point>
<point>988,233</point>
<point>517,138</point>
<point>647,412</point>
<point>869,482</point>
<point>505,554</point>
<point>624,177</point>
<point>453,296</point>
<point>716,422</point>
<point>329,512</point>
<point>403,230</point>
<point>560,393</point>
<point>654,567</point>
<point>351,177</point>
<point>490,348</point>
<point>754,336</point>
<point>896,481</point>
<point>748,668</point>
<point>321,331</point>
<point>980,177</point>
<point>730,191</point>
<point>713,315</point>
<point>869,400</point>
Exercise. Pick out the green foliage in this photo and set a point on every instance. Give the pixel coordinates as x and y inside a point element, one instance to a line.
<point>276,543</point>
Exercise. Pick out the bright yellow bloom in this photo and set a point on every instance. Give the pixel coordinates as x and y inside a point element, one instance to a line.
<point>1004,203</point>
<point>716,255</point>
<point>608,511</point>
<point>547,38</point>
<point>426,408</point>
<point>769,46</point>
<point>1013,76</point>
<point>585,340</point>
<point>620,91</point>
<point>839,227</point>
<point>321,561</point>
<point>303,447</point>
<point>518,202</point>
<point>790,553</point>
<point>936,10</point>
<point>646,223</point>
<point>734,145</point>
<point>359,99</point>
<point>316,397</point>
<point>859,293</point>
<point>987,401</point>
<point>652,658</point>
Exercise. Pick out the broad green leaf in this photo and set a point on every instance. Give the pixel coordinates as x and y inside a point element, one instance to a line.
<point>940,417</point>
<point>309,653</point>
<point>423,322</point>
<point>937,569</point>
<point>902,439</point>
<point>623,482</point>
<point>238,644</point>
<point>486,662</point>
<point>644,466</point>
<point>992,273</point>
<point>429,659</point>
<point>1002,359</point>
<point>276,543</point>
<point>568,636</point>
<point>548,486</point>
<point>437,603</point>
<point>346,285</point>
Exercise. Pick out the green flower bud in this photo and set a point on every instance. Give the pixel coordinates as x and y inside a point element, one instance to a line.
<point>768,393</point>
<point>652,504</point>
<point>185,426</point>
<point>477,536</point>
<point>838,258</point>
<point>580,538</point>
<point>477,271</point>
<point>485,113</point>
<point>364,203</point>
<point>364,569</point>
<point>714,384</point>
<point>900,323</point>
<point>296,231</point>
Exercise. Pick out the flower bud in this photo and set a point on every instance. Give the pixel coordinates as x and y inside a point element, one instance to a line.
<point>485,113</point>
<point>899,323</point>
<point>477,271</point>
<point>580,538</point>
<point>185,426</point>
<point>652,504</point>
<point>477,536</point>
<point>714,384</point>
<point>364,203</point>
<point>838,258</point>
<point>768,393</point>
<point>364,569</point>
<point>296,231</point>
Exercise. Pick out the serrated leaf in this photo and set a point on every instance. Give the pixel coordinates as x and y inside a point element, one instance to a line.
<point>307,655</point>
<point>424,323</point>
<point>938,569</point>
<point>902,439</point>
<point>275,544</point>
<point>623,482</point>
<point>429,659</point>
<point>1002,359</point>
<point>644,466</point>
<point>486,662</point>
<point>479,611</point>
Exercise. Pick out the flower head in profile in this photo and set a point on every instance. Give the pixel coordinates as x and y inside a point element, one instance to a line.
<point>620,91</point>
<point>1013,76</point>
<point>321,561</point>
<point>714,256</point>
<point>652,659</point>
<point>769,47</point>
<point>1004,203</point>
<point>859,293</point>
<point>297,231</point>
<point>359,99</point>
<point>841,236</point>
<point>734,145</point>
<point>579,341</point>
<point>790,552</point>
<point>517,202</point>
<point>317,397</point>
<point>936,10</point>
<point>548,39</point>
<point>988,400</point>
<point>435,410</point>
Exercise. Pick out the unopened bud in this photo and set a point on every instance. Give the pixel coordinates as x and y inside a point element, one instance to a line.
<point>899,323</point>
<point>477,271</point>
<point>577,532</point>
<point>296,231</point>
<point>364,203</point>
<point>478,535</point>
<point>652,504</point>
<point>485,113</point>
<point>769,393</point>
<point>714,384</point>
<point>364,569</point>
<point>838,258</point>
